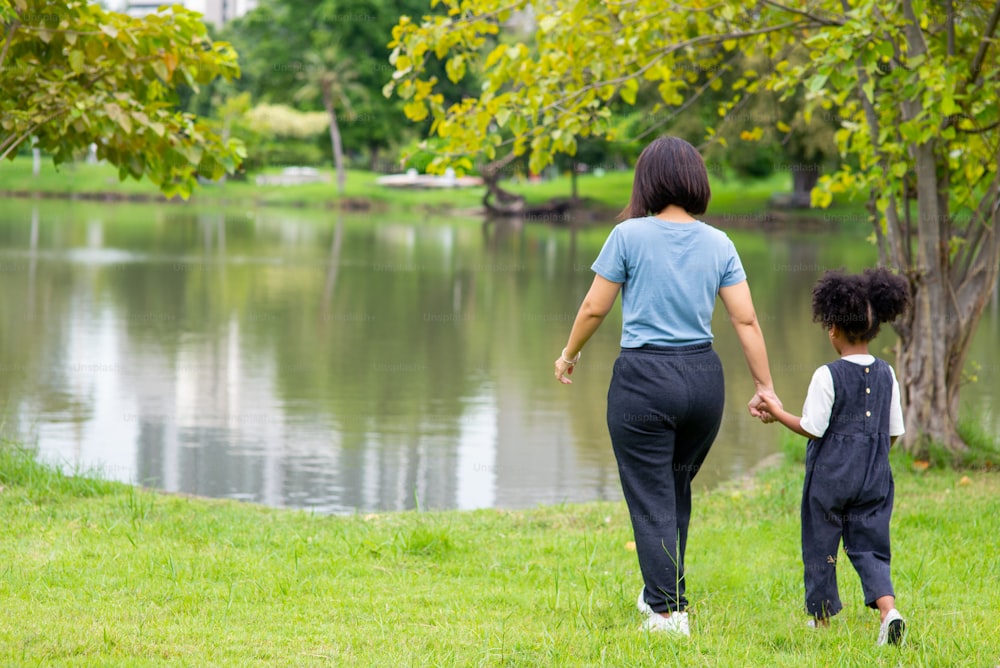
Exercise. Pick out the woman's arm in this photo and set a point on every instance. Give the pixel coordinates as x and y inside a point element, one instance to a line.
<point>739,305</point>
<point>596,305</point>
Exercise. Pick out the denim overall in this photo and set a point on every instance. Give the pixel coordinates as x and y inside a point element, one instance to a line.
<point>848,490</point>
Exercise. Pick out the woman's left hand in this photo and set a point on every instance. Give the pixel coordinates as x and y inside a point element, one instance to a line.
<point>759,405</point>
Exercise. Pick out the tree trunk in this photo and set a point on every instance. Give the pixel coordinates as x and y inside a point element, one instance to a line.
<point>949,289</point>
<point>933,349</point>
<point>338,149</point>
<point>928,388</point>
<point>497,200</point>
<point>949,297</point>
<point>803,181</point>
<point>931,396</point>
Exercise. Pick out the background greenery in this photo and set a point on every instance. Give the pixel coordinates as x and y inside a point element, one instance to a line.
<point>604,195</point>
<point>285,48</point>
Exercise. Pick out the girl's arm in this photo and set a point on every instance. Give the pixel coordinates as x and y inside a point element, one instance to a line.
<point>819,399</point>
<point>793,422</point>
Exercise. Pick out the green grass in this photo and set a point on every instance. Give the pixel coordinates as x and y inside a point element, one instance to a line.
<point>729,196</point>
<point>83,179</point>
<point>98,573</point>
<point>608,193</point>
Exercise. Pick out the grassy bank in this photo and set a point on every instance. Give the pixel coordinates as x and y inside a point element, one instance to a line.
<point>99,573</point>
<point>97,180</point>
<point>608,192</point>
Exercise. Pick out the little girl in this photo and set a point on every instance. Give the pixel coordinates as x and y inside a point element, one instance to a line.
<point>851,415</point>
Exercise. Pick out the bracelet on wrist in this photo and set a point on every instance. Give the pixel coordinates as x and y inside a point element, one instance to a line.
<point>571,362</point>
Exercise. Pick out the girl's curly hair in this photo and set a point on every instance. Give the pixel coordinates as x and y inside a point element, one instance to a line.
<point>859,303</point>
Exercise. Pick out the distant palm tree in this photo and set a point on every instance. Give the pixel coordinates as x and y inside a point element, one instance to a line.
<point>330,75</point>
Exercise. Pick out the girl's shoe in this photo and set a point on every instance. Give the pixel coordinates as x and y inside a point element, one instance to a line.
<point>676,623</point>
<point>892,630</point>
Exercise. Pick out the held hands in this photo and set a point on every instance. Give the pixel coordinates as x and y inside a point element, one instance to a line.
<point>764,405</point>
<point>564,367</point>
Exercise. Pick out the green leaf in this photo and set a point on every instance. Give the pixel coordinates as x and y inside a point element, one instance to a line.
<point>868,88</point>
<point>948,106</point>
<point>114,112</point>
<point>495,55</point>
<point>161,70</point>
<point>76,61</point>
<point>815,83</point>
<point>455,67</point>
<point>191,152</point>
<point>547,23</point>
<point>538,161</point>
<point>415,110</point>
<point>628,91</point>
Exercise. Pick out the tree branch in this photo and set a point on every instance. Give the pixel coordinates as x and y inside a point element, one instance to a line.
<point>654,58</point>
<point>14,141</point>
<point>979,226</point>
<point>6,44</point>
<point>495,14</point>
<point>976,69</point>
<point>984,263</point>
<point>696,96</point>
<point>984,44</point>
<point>950,18</point>
<point>65,31</point>
<point>978,130</point>
<point>898,241</point>
<point>808,15</point>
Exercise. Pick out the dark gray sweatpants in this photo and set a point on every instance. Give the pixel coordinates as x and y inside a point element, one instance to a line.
<point>664,410</point>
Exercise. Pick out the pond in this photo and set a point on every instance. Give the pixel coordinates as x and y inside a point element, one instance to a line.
<point>357,363</point>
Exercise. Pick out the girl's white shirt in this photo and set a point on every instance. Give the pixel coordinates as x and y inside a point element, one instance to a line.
<point>819,400</point>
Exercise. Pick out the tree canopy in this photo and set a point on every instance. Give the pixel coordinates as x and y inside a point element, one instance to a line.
<point>74,74</point>
<point>912,87</point>
<point>279,43</point>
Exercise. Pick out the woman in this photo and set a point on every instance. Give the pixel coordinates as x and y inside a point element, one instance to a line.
<point>667,391</point>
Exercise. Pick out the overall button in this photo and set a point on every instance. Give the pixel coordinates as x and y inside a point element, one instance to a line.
<point>868,413</point>
<point>868,390</point>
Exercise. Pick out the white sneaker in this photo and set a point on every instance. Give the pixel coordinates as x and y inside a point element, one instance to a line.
<point>892,630</point>
<point>676,623</point>
<point>642,605</point>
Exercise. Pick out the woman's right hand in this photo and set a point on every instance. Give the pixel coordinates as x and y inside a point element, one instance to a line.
<point>564,367</point>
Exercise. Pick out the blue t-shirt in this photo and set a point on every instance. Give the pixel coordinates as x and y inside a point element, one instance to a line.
<point>670,275</point>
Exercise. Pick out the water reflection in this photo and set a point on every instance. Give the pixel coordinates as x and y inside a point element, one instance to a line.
<point>345,363</point>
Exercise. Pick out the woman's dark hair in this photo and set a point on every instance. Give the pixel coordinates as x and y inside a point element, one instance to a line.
<point>859,303</point>
<point>669,171</point>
